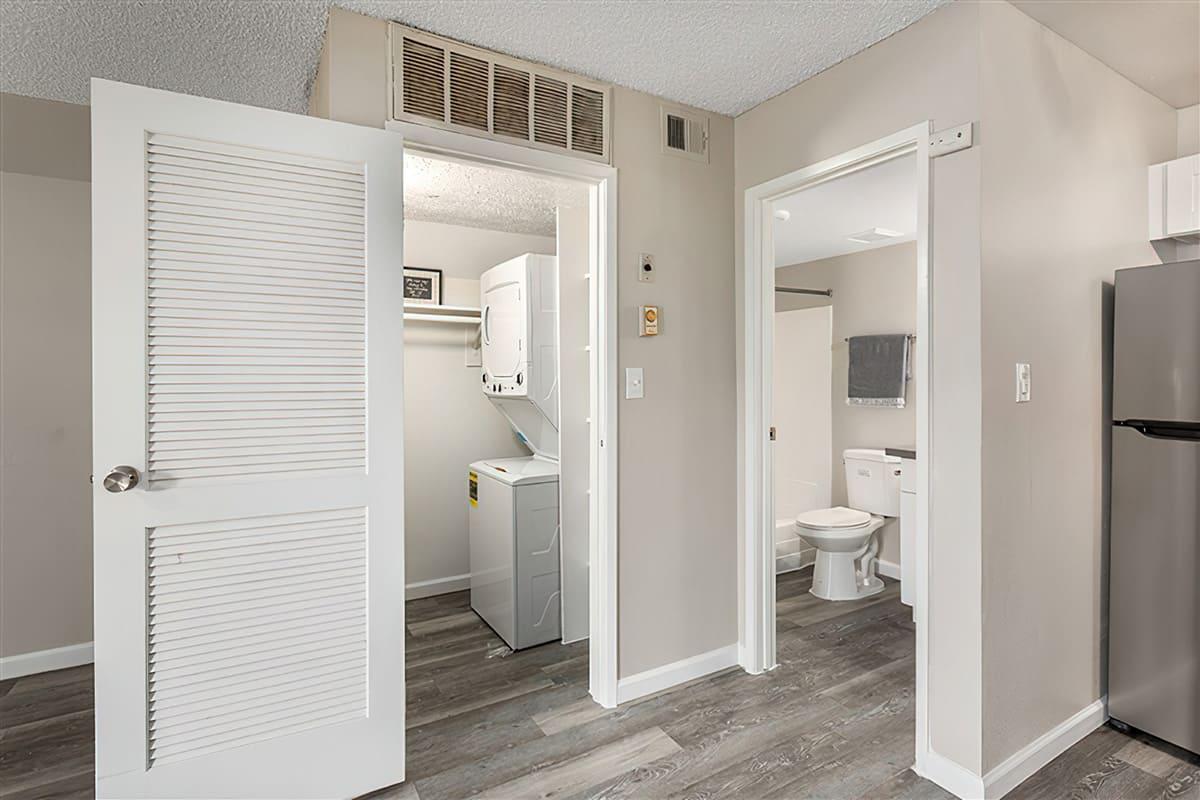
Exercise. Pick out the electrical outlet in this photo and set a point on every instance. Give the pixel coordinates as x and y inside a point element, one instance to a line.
<point>645,268</point>
<point>1023,383</point>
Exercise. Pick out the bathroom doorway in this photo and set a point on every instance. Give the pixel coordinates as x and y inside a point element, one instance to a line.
<point>836,406</point>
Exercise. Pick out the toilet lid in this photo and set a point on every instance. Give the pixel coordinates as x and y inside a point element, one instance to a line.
<point>836,517</point>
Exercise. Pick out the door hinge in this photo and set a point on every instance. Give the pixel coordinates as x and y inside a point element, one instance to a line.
<point>771,433</point>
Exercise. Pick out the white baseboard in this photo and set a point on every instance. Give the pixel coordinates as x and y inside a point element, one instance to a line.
<point>454,583</point>
<point>1009,774</point>
<point>951,776</point>
<point>888,569</point>
<point>45,660</point>
<point>675,673</point>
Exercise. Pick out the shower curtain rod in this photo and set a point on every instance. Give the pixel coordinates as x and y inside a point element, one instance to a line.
<point>790,290</point>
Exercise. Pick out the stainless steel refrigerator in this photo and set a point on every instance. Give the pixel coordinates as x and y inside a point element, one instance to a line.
<point>1154,567</point>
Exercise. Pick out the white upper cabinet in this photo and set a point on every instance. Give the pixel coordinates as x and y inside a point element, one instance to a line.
<point>1175,199</point>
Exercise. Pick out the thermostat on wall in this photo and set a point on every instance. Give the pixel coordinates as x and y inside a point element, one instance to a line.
<point>649,321</point>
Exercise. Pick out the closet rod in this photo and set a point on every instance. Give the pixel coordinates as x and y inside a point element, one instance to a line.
<point>790,290</point>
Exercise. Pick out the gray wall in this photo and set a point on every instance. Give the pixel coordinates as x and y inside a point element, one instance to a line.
<point>448,421</point>
<point>1065,145</point>
<point>45,375</point>
<point>928,71</point>
<point>873,292</point>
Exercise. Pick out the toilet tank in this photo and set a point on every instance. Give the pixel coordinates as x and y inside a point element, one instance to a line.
<point>873,482</point>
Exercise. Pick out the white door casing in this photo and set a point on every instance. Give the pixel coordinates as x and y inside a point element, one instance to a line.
<point>247,361</point>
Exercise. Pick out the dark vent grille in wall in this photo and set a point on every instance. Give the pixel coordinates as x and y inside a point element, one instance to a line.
<point>468,91</point>
<point>510,102</point>
<point>424,79</point>
<point>549,111</point>
<point>587,120</point>
<point>676,136</point>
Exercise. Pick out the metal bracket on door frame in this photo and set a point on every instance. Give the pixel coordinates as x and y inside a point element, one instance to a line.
<point>950,140</point>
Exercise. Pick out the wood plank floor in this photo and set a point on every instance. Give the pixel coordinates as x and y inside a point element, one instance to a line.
<point>835,720</point>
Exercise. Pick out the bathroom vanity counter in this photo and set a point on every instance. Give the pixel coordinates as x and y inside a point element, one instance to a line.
<point>902,452</point>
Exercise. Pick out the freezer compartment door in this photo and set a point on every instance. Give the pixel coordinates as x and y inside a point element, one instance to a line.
<point>1154,592</point>
<point>1156,343</point>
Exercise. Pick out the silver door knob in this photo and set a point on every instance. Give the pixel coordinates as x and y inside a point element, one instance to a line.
<point>121,479</point>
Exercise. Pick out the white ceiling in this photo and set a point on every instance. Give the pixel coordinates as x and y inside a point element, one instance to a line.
<point>882,196</point>
<point>484,197</point>
<point>1154,43</point>
<point>724,56</point>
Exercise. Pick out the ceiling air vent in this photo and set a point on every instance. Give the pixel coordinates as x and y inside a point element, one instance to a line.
<point>684,134</point>
<point>446,84</point>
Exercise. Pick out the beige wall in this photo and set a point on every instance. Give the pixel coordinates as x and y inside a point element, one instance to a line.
<point>874,291</point>
<point>1188,131</point>
<point>678,544</point>
<point>925,72</point>
<point>676,484</point>
<point>45,376</point>
<point>1065,146</point>
<point>448,421</point>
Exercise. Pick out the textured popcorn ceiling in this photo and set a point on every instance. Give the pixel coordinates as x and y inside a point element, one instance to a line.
<point>483,197</point>
<point>721,56</point>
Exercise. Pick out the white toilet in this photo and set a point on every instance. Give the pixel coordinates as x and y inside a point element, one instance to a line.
<point>845,537</point>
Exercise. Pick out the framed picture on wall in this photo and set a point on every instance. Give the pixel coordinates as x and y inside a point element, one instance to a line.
<point>422,287</point>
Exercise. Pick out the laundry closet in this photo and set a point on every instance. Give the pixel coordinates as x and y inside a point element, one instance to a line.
<point>484,483</point>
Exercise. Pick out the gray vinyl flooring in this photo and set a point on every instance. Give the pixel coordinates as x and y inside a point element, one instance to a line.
<point>834,720</point>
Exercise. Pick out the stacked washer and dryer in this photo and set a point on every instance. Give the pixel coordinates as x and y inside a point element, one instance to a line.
<point>513,515</point>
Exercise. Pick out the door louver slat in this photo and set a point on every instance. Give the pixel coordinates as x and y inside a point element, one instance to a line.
<point>443,83</point>
<point>549,111</point>
<point>424,79</point>
<point>249,324</point>
<point>223,674</point>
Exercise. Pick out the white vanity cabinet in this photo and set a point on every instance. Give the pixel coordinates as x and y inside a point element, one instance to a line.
<point>908,529</point>
<point>1175,199</point>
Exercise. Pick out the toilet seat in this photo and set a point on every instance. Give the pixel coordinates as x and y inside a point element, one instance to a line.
<point>833,519</point>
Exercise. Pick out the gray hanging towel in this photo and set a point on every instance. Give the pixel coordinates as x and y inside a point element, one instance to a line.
<point>878,370</point>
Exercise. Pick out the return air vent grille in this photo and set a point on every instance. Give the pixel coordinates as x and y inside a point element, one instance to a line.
<point>257,629</point>
<point>549,111</point>
<point>510,102</point>
<point>450,85</point>
<point>468,91</point>
<point>256,308</point>
<point>587,120</point>
<point>684,134</point>
<point>425,91</point>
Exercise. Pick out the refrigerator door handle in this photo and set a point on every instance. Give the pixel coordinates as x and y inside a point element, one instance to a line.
<point>1154,429</point>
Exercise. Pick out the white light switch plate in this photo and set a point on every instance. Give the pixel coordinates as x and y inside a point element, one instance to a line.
<point>1023,383</point>
<point>635,387</point>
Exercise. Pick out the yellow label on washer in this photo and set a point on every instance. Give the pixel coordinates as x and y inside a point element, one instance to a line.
<point>473,488</point>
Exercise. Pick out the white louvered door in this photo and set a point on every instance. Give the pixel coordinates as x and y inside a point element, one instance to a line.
<point>247,363</point>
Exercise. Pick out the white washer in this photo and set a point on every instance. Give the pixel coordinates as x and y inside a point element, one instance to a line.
<point>514,543</point>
